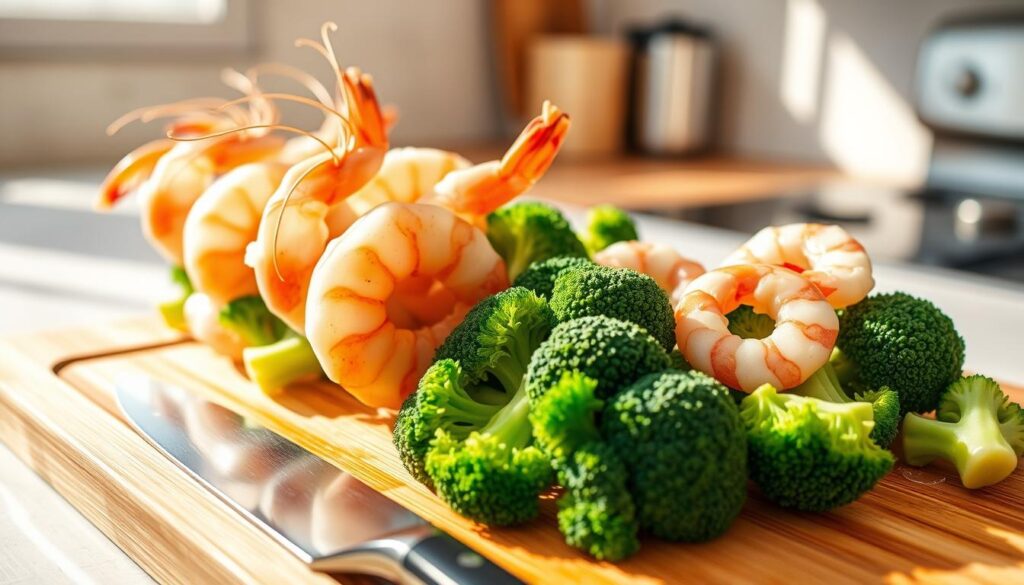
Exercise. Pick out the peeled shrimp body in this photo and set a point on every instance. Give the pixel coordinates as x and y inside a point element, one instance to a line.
<point>388,291</point>
<point>826,255</point>
<point>805,331</point>
<point>220,226</point>
<point>307,209</point>
<point>667,267</point>
<point>203,319</point>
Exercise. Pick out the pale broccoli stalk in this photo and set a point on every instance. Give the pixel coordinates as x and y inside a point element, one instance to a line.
<point>976,428</point>
<point>275,366</point>
<point>173,309</point>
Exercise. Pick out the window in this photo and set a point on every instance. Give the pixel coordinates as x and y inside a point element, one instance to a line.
<point>55,26</point>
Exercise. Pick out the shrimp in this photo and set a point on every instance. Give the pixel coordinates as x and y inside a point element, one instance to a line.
<point>826,255</point>
<point>226,216</point>
<point>168,177</point>
<point>203,319</point>
<point>307,209</point>
<point>804,335</point>
<point>365,333</point>
<point>475,191</point>
<point>667,267</point>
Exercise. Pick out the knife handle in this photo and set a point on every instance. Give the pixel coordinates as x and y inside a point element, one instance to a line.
<point>439,559</point>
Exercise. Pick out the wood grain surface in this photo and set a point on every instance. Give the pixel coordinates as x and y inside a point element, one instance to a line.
<point>916,526</point>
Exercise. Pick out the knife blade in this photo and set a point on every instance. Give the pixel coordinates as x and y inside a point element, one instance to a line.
<point>321,514</point>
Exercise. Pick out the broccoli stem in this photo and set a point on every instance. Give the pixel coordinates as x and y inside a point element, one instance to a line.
<point>511,424</point>
<point>173,309</point>
<point>274,366</point>
<point>843,368</point>
<point>975,445</point>
<point>823,384</point>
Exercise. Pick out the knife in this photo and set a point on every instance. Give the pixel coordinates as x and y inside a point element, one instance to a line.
<point>324,516</point>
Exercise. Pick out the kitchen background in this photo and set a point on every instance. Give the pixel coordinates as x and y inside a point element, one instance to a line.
<point>811,80</point>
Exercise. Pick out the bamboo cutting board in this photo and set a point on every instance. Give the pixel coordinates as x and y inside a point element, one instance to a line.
<point>57,412</point>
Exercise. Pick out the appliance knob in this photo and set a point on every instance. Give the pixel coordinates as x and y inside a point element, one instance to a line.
<point>967,82</point>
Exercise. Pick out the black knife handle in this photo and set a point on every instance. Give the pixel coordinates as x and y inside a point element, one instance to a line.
<point>441,560</point>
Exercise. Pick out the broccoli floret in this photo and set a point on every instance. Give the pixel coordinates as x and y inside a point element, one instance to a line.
<point>523,233</point>
<point>596,514</point>
<point>743,321</point>
<point>273,367</point>
<point>977,428</point>
<point>172,310</point>
<point>811,454</point>
<point>613,352</point>
<point>607,224</point>
<point>615,292</point>
<point>682,440</point>
<point>466,430</point>
<point>495,340</point>
<point>823,384</point>
<point>441,402</point>
<point>540,276</point>
<point>678,361</point>
<point>901,342</point>
<point>252,321</point>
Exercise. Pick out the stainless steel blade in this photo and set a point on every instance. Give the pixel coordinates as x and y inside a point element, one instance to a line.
<point>324,516</point>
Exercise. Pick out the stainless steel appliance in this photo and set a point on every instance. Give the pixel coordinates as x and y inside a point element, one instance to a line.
<point>970,213</point>
<point>673,73</point>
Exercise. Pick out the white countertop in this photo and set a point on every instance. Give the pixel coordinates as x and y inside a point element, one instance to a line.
<point>61,264</point>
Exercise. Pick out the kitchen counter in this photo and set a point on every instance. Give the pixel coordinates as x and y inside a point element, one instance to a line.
<point>63,264</point>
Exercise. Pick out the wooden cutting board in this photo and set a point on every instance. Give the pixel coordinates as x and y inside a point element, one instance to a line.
<point>57,412</point>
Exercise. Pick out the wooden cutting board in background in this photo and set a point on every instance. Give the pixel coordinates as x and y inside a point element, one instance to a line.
<point>916,526</point>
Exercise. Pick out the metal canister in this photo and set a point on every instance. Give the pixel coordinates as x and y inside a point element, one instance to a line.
<point>673,78</point>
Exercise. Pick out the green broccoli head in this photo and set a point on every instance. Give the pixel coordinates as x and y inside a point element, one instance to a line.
<point>607,224</point>
<point>250,318</point>
<point>443,401</point>
<point>596,514</point>
<point>526,232</point>
<point>904,343</point>
<point>615,292</point>
<point>565,417</point>
<point>540,276</point>
<point>682,440</point>
<point>172,310</point>
<point>614,353</point>
<point>678,361</point>
<point>495,340</point>
<point>811,454</point>
<point>486,479</point>
<point>743,321</point>
<point>976,428</point>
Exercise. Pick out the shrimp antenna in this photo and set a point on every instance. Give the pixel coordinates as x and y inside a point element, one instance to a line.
<point>305,79</point>
<point>150,113</point>
<point>292,98</point>
<point>350,144</point>
<point>327,147</point>
<point>326,49</point>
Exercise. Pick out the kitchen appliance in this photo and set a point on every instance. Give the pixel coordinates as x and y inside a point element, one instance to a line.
<point>673,73</point>
<point>324,516</point>
<point>969,215</point>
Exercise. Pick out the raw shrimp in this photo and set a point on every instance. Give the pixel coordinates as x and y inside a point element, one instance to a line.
<point>475,191</point>
<point>805,331</point>
<point>203,319</point>
<point>826,254</point>
<point>227,215</point>
<point>389,290</point>
<point>168,178</point>
<point>306,210</point>
<point>667,267</point>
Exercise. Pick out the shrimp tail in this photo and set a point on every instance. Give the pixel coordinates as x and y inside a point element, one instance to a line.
<point>537,145</point>
<point>130,172</point>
